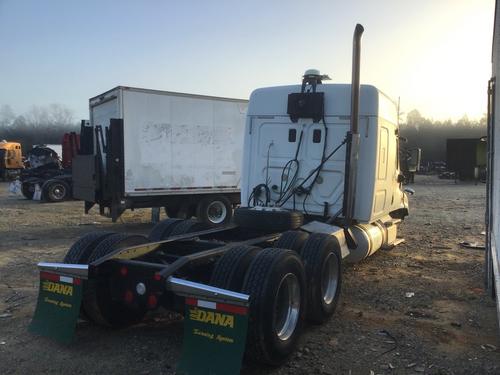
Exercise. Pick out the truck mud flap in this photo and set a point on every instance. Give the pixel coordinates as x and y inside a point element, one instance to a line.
<point>214,338</point>
<point>58,306</point>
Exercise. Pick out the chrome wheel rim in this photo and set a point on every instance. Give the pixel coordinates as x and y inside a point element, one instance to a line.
<point>216,212</point>
<point>287,307</point>
<point>329,278</point>
<point>57,192</point>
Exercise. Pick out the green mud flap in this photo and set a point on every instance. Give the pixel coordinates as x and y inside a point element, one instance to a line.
<point>58,307</point>
<point>214,338</point>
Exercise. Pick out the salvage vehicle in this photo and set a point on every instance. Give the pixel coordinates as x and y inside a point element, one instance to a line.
<point>47,177</point>
<point>149,148</point>
<point>321,185</point>
<point>11,160</point>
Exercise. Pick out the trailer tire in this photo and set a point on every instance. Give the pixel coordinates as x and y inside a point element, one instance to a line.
<point>80,251</point>
<point>214,210</point>
<point>26,190</point>
<point>270,221</point>
<point>98,304</point>
<point>187,226</point>
<point>185,211</point>
<point>292,240</point>
<point>274,275</point>
<point>323,264</point>
<point>161,231</point>
<point>230,268</point>
<point>171,211</point>
<point>55,191</point>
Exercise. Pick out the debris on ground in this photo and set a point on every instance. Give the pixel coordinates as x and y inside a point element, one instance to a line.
<point>489,347</point>
<point>449,314</point>
<point>471,245</point>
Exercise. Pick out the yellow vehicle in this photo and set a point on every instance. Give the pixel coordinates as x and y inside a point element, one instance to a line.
<point>11,159</point>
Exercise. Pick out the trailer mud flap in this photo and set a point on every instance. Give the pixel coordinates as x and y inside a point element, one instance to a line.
<point>214,338</point>
<point>58,307</point>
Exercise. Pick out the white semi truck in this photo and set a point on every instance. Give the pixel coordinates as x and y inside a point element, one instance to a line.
<point>321,185</point>
<point>150,148</point>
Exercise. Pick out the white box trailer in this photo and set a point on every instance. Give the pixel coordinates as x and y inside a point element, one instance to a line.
<point>162,149</point>
<point>492,253</point>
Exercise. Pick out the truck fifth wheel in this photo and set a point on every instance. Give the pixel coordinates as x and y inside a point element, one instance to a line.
<point>320,185</point>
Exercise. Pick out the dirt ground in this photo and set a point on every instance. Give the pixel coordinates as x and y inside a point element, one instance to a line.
<point>448,326</point>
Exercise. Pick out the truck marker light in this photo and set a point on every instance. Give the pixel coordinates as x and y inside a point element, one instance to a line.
<point>157,277</point>
<point>124,271</point>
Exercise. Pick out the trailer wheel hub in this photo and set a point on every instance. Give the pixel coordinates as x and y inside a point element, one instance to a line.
<point>329,278</point>
<point>216,212</point>
<point>287,307</point>
<point>57,192</point>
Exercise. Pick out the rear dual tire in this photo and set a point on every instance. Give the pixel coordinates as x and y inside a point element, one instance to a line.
<point>276,283</point>
<point>275,280</point>
<point>81,250</point>
<point>323,265</point>
<point>98,304</point>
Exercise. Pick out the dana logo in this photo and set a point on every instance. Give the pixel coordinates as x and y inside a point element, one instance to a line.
<point>211,317</point>
<point>52,287</point>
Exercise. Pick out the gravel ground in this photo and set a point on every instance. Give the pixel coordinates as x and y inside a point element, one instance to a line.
<point>447,327</point>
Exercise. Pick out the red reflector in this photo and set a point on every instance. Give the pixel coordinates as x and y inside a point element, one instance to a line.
<point>157,277</point>
<point>129,296</point>
<point>152,301</point>
<point>232,309</point>
<point>124,271</point>
<point>49,276</point>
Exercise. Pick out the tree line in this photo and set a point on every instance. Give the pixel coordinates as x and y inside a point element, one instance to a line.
<point>39,125</point>
<point>46,125</point>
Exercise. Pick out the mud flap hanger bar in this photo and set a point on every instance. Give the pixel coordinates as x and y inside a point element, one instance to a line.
<point>192,289</point>
<point>178,286</point>
<point>72,270</point>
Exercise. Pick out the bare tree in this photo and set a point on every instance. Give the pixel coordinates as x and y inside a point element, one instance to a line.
<point>40,125</point>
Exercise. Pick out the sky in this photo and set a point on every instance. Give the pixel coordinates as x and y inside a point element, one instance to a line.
<point>435,55</point>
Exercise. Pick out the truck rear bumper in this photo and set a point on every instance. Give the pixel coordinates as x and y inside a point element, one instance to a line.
<point>176,285</point>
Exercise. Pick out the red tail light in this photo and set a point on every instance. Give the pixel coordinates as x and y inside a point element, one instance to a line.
<point>124,271</point>
<point>152,301</point>
<point>129,296</point>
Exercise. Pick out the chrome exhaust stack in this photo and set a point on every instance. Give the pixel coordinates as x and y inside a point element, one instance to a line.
<point>352,146</point>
